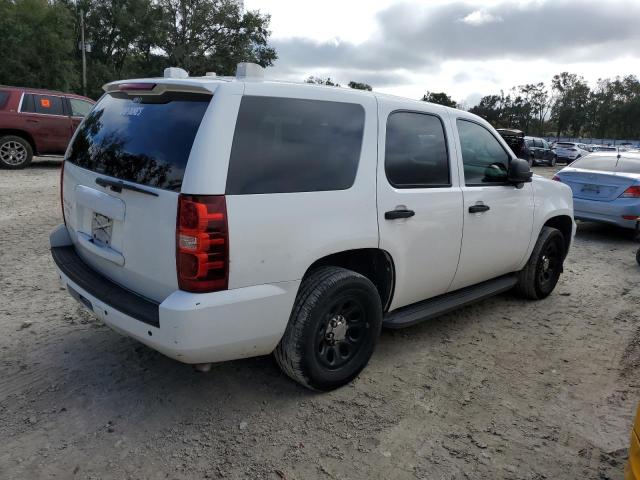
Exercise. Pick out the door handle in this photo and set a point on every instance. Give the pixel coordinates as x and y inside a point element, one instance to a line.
<point>478,208</point>
<point>393,214</point>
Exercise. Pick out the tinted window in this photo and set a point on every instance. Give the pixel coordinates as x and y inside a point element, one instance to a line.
<point>416,151</point>
<point>292,145</point>
<point>529,143</point>
<point>79,108</point>
<point>44,104</point>
<point>565,145</point>
<point>605,164</point>
<point>545,144</point>
<point>484,159</point>
<point>144,139</point>
<point>538,143</point>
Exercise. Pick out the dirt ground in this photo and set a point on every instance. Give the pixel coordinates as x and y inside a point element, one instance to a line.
<point>503,389</point>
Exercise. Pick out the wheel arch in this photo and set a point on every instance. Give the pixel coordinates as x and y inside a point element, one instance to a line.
<point>21,134</point>
<point>374,263</point>
<point>564,223</point>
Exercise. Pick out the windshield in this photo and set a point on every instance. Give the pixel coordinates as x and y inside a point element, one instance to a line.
<point>144,139</point>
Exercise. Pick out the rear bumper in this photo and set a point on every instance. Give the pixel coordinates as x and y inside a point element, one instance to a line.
<point>607,212</point>
<point>189,327</point>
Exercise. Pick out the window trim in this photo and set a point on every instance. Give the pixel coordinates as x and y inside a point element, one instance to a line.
<point>407,186</point>
<point>62,97</point>
<point>488,184</point>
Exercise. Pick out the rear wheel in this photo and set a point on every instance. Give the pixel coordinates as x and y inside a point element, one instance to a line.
<point>333,329</point>
<point>531,161</point>
<point>15,152</point>
<point>541,273</point>
<point>552,162</point>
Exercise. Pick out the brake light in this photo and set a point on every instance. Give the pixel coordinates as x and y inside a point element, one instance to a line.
<point>556,178</point>
<point>136,87</point>
<point>64,219</point>
<point>202,243</point>
<point>631,192</point>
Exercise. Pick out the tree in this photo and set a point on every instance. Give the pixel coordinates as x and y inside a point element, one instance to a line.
<point>440,98</point>
<point>213,35</point>
<point>360,86</point>
<point>36,46</point>
<point>570,108</point>
<point>321,81</point>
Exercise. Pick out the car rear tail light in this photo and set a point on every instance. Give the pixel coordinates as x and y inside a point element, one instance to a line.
<point>202,243</point>
<point>631,217</point>
<point>136,87</point>
<point>631,192</point>
<point>556,178</point>
<point>64,219</point>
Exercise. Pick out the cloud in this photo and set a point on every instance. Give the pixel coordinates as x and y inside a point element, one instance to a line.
<point>419,37</point>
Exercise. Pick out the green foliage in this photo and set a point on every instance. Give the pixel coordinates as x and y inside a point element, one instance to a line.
<point>129,38</point>
<point>321,81</point>
<point>37,44</point>
<point>360,86</point>
<point>440,98</point>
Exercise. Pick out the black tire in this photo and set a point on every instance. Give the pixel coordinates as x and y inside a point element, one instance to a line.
<point>352,302</point>
<point>638,256</point>
<point>541,273</point>
<point>15,152</point>
<point>532,161</point>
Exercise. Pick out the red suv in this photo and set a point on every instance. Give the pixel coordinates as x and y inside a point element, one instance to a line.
<point>37,122</point>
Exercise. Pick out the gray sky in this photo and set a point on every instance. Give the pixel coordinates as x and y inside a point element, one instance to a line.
<point>467,49</point>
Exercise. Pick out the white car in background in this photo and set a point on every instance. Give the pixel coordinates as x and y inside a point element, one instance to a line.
<point>567,152</point>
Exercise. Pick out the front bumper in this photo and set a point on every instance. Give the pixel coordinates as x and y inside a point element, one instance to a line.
<point>189,327</point>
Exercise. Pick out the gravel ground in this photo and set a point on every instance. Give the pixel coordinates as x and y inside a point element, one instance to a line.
<point>502,389</point>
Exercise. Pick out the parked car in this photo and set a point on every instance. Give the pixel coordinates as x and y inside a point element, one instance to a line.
<point>37,122</point>
<point>606,187</point>
<point>603,148</point>
<point>533,149</point>
<point>222,218</point>
<point>567,152</point>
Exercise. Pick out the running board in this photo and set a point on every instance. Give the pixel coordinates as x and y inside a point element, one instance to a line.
<point>434,307</point>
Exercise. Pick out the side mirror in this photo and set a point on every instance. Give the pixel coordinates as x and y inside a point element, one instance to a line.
<point>519,172</point>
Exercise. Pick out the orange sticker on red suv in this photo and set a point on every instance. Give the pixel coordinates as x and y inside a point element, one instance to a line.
<point>45,103</point>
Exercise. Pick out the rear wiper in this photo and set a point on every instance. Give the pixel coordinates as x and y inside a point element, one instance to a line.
<point>118,185</point>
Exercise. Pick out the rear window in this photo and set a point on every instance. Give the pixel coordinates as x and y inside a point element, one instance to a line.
<point>629,165</point>
<point>565,145</point>
<point>605,164</point>
<point>145,139</point>
<point>285,145</point>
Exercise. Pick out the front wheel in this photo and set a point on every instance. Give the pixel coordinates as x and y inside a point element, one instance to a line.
<point>333,329</point>
<point>541,273</point>
<point>552,162</point>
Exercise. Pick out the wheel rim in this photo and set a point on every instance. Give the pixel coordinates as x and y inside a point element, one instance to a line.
<point>13,153</point>
<point>549,265</point>
<point>342,333</point>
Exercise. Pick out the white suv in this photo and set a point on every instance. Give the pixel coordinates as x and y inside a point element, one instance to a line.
<point>221,218</point>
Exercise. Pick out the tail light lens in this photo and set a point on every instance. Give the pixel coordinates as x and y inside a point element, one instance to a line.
<point>202,243</point>
<point>64,219</point>
<point>631,192</point>
<point>556,178</point>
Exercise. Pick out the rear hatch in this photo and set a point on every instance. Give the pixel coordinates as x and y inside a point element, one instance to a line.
<point>122,179</point>
<point>565,149</point>
<point>593,185</point>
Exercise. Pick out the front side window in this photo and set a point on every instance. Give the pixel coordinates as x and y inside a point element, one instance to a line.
<point>79,108</point>
<point>416,151</point>
<point>43,104</point>
<point>485,161</point>
<point>284,145</point>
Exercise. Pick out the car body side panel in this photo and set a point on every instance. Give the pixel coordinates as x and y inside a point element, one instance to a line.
<point>276,237</point>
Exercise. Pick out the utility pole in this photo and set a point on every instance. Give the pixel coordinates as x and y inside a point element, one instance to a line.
<point>84,54</point>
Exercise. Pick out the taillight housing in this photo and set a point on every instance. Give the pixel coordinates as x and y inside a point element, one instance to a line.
<point>631,192</point>
<point>202,243</point>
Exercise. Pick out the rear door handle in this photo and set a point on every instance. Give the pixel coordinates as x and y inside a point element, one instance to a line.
<point>393,214</point>
<point>478,208</point>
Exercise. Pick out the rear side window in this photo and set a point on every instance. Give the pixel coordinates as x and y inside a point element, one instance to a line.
<point>145,139</point>
<point>416,151</point>
<point>4,96</point>
<point>43,104</point>
<point>538,143</point>
<point>484,159</point>
<point>285,145</point>
<point>79,108</point>
<point>605,164</point>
